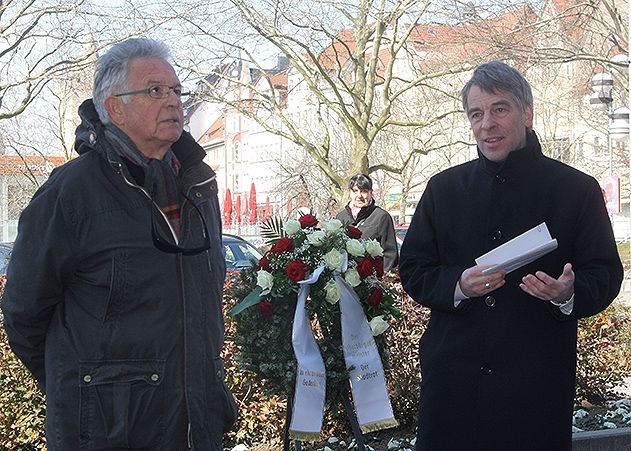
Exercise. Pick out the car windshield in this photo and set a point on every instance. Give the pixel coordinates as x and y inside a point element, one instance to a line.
<point>401,232</point>
<point>240,254</point>
<point>5,255</point>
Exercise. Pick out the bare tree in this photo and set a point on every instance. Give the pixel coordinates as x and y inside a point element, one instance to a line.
<point>350,65</point>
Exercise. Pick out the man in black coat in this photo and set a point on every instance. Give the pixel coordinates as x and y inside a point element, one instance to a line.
<point>498,358</point>
<point>114,291</point>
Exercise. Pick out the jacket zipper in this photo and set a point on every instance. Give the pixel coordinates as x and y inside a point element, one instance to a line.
<point>189,437</point>
<point>119,171</point>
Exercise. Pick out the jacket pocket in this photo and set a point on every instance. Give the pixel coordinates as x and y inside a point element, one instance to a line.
<point>121,404</point>
<point>219,397</point>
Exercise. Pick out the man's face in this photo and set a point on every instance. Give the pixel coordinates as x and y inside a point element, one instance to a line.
<point>152,124</point>
<point>498,123</point>
<point>360,197</point>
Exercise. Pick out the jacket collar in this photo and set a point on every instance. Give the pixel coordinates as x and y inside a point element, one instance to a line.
<point>518,159</point>
<point>363,213</point>
<point>90,133</point>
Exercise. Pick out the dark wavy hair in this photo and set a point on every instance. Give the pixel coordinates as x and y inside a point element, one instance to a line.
<point>361,181</point>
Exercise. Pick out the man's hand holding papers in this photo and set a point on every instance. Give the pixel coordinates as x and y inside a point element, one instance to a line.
<point>492,267</point>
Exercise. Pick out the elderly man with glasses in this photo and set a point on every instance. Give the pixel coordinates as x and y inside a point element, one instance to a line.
<point>114,290</point>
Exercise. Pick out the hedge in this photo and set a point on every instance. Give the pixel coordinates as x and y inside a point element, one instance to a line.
<point>604,359</point>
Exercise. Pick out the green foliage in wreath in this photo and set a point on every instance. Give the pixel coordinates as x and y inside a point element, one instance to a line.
<point>263,334</point>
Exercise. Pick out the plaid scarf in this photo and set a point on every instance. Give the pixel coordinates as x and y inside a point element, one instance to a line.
<point>160,175</point>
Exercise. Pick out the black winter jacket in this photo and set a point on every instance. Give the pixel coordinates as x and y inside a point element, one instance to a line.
<point>375,223</point>
<point>124,339</point>
<point>498,371</point>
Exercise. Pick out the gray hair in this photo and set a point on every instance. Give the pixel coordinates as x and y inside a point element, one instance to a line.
<point>497,76</point>
<point>112,68</point>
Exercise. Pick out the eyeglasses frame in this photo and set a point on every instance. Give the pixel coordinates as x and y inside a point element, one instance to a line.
<point>148,91</point>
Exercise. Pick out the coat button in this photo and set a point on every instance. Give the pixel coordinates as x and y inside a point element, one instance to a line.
<point>496,235</point>
<point>486,370</point>
<point>489,301</point>
<point>155,377</point>
<point>198,194</point>
<point>500,179</point>
<point>219,375</point>
<point>87,378</point>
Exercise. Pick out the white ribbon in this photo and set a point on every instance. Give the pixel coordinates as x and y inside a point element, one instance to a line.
<point>309,395</point>
<point>368,383</point>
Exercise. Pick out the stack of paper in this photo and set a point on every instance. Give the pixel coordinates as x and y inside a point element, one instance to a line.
<point>519,251</point>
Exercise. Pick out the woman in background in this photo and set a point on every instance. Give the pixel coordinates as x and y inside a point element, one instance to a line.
<point>373,221</point>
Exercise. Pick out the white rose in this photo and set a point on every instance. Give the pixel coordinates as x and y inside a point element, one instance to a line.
<point>334,260</point>
<point>332,292</point>
<point>316,238</point>
<point>333,225</point>
<point>373,248</point>
<point>291,227</point>
<point>264,280</point>
<point>352,277</point>
<point>355,247</point>
<point>378,325</point>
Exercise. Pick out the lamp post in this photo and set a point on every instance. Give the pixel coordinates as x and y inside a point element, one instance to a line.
<point>621,125</point>
<point>601,99</point>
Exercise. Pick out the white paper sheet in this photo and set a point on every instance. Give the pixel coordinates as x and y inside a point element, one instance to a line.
<point>519,251</point>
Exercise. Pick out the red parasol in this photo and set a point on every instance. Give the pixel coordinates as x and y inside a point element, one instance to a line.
<point>237,209</point>
<point>227,209</point>
<point>244,208</point>
<point>267,210</point>
<point>253,205</point>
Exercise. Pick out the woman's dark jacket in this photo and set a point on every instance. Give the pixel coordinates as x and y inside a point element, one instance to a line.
<point>124,339</point>
<point>498,372</point>
<point>375,223</point>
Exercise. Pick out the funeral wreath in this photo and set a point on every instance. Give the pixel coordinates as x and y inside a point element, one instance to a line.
<point>329,273</point>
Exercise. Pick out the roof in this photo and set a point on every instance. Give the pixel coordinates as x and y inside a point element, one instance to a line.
<point>36,165</point>
<point>216,131</point>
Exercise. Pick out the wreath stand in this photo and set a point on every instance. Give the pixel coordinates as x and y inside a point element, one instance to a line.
<point>343,395</point>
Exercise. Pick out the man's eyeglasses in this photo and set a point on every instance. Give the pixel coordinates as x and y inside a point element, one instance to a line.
<point>157,92</point>
<point>169,247</point>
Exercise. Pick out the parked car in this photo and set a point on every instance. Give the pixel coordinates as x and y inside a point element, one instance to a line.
<point>400,231</point>
<point>239,253</point>
<point>5,256</point>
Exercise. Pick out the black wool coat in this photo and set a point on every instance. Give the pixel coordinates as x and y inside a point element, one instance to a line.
<point>375,223</point>
<point>498,372</point>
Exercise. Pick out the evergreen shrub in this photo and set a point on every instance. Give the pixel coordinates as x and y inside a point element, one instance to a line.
<point>604,356</point>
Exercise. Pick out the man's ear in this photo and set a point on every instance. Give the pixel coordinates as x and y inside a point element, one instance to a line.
<point>528,116</point>
<point>114,107</point>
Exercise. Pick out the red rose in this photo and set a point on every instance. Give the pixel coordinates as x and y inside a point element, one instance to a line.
<point>282,245</point>
<point>364,267</point>
<point>308,221</point>
<point>353,232</point>
<point>265,307</point>
<point>264,263</point>
<point>377,263</point>
<point>375,297</point>
<point>296,270</point>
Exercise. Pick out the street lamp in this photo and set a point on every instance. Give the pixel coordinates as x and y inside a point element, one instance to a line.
<point>601,99</point>
<point>602,85</point>
<point>619,126</point>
